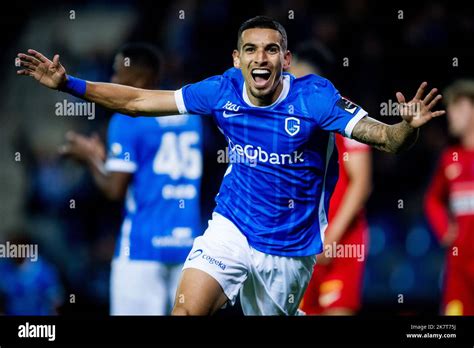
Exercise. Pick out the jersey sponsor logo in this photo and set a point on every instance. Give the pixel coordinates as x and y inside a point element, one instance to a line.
<point>253,154</point>
<point>292,125</point>
<point>195,254</point>
<point>212,260</point>
<point>347,105</point>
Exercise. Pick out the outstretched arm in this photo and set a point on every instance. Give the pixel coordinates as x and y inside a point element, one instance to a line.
<point>124,99</point>
<point>401,136</point>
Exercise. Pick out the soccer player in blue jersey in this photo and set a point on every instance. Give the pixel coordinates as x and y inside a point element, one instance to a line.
<point>271,212</point>
<point>156,163</point>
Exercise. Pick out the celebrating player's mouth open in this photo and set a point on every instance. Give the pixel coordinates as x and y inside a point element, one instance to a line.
<point>270,218</point>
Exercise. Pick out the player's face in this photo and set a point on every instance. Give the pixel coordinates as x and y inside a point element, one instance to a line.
<point>262,60</point>
<point>461,116</point>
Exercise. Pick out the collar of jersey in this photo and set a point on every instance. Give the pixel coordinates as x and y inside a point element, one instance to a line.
<point>283,94</point>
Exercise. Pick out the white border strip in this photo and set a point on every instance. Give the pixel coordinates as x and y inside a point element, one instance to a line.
<point>350,126</point>
<point>178,97</point>
<point>322,216</point>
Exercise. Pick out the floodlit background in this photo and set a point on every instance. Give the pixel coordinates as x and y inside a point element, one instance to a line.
<point>389,48</point>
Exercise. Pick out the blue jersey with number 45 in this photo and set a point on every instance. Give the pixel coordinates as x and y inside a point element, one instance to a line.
<point>283,161</point>
<point>162,205</point>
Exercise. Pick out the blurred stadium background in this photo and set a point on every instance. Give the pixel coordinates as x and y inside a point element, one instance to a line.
<point>386,54</point>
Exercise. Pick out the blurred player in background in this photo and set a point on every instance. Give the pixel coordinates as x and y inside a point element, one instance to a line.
<point>336,285</point>
<point>271,211</point>
<point>29,285</point>
<point>156,163</point>
<point>449,202</point>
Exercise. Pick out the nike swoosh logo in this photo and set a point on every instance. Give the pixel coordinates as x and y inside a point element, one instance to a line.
<point>226,115</point>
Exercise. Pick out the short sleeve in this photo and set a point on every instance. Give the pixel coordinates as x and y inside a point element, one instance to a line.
<point>121,144</point>
<point>340,114</point>
<point>199,98</point>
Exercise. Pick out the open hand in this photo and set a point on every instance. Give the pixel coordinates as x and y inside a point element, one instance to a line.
<point>418,111</point>
<point>49,73</point>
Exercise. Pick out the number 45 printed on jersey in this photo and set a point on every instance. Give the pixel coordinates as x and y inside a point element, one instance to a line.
<point>178,157</point>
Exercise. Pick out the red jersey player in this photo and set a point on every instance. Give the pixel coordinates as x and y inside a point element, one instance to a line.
<point>449,202</point>
<point>336,285</point>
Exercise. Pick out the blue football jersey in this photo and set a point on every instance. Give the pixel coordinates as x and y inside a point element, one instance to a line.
<point>32,288</point>
<point>162,215</point>
<point>283,163</point>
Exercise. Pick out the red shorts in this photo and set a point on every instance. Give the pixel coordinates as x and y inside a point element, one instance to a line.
<point>458,294</point>
<point>336,285</point>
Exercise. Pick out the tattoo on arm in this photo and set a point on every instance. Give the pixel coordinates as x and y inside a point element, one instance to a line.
<point>390,138</point>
